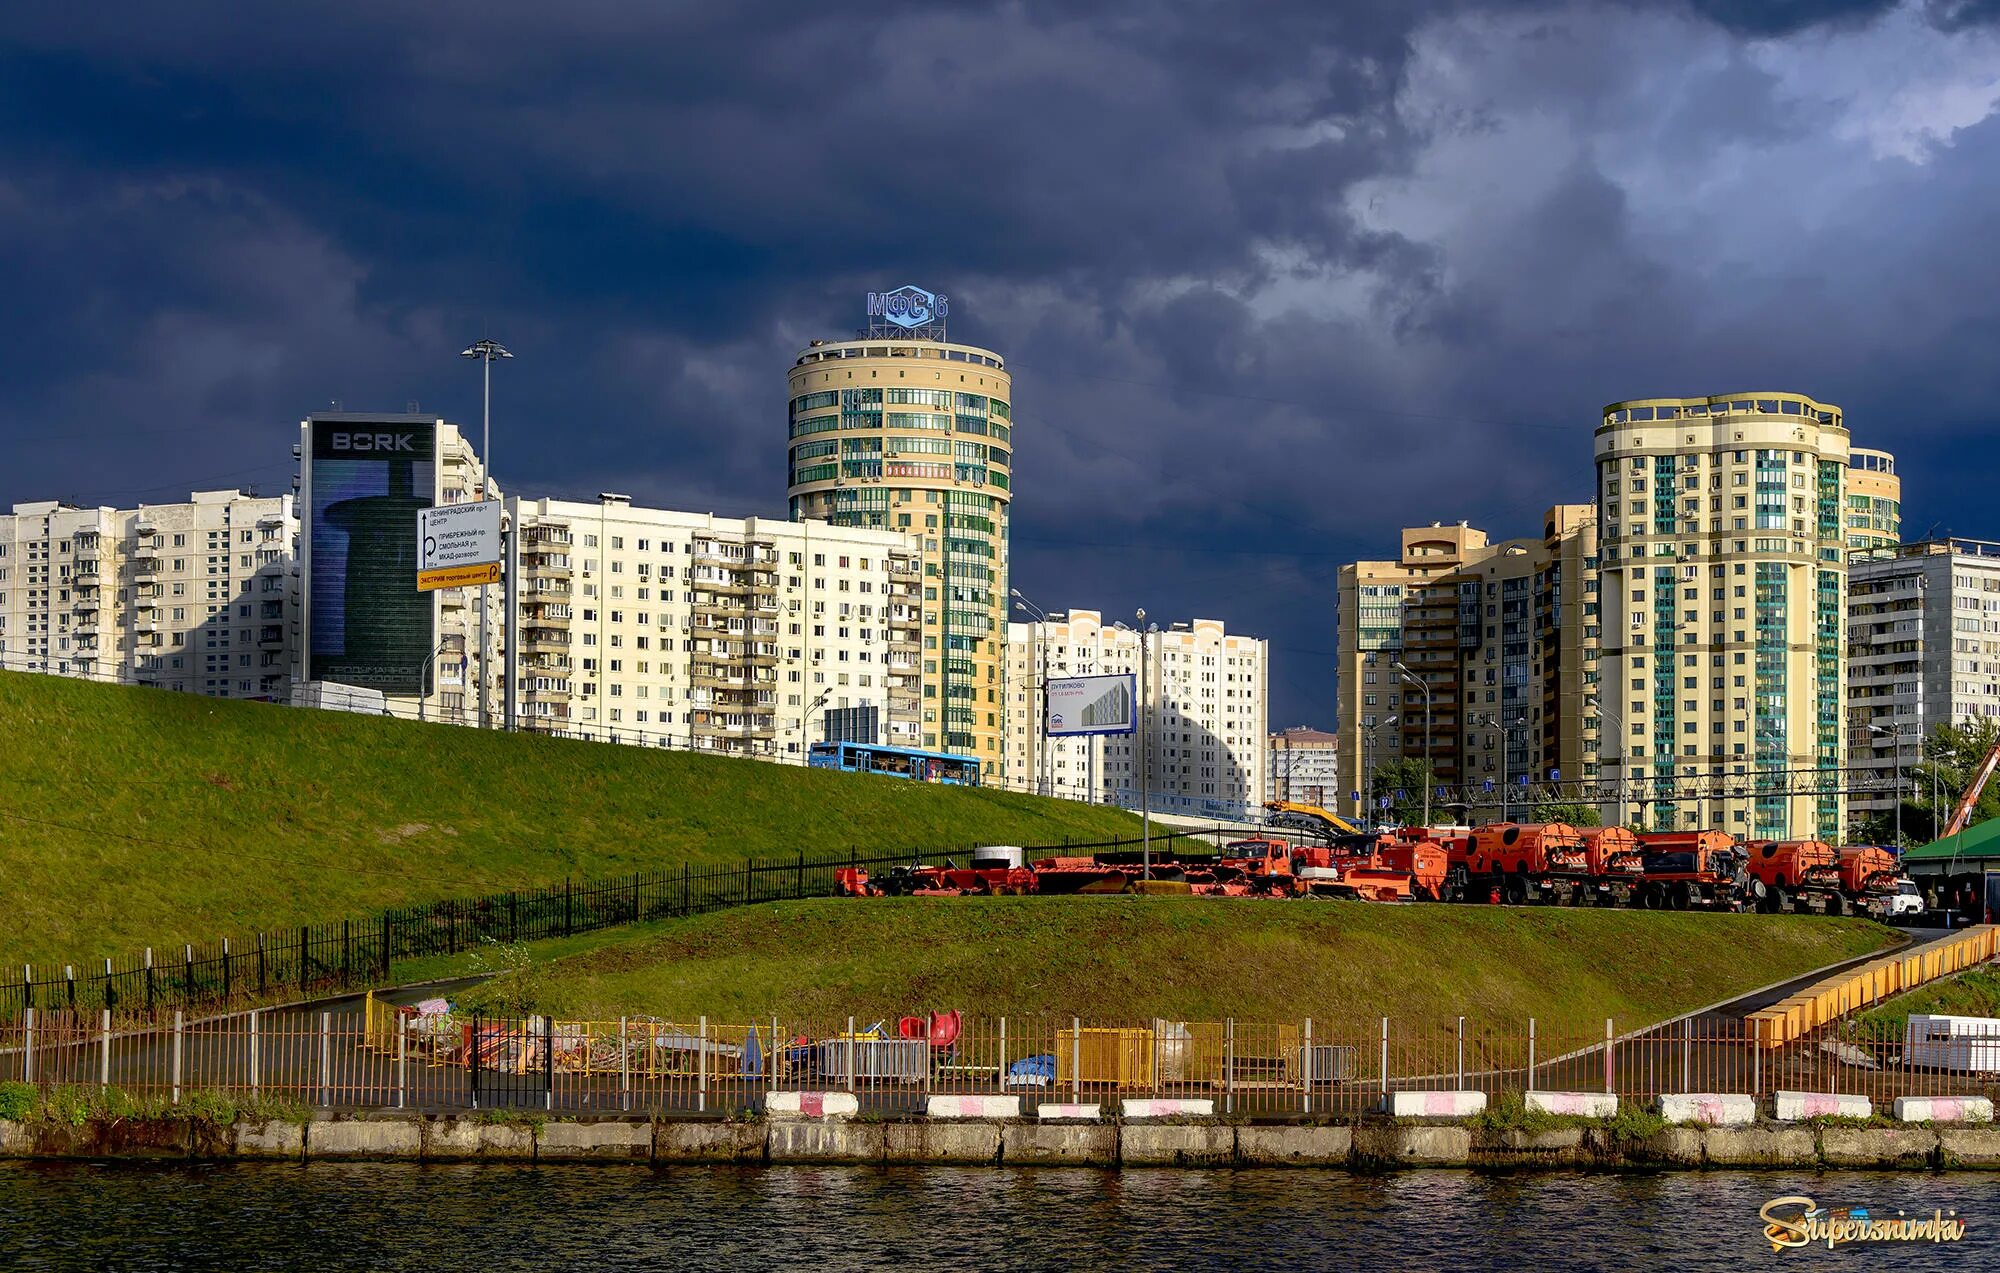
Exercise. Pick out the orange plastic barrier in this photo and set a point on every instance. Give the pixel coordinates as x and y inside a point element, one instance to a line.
<point>1829,1000</point>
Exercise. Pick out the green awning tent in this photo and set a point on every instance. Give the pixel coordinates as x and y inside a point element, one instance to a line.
<point>1973,848</point>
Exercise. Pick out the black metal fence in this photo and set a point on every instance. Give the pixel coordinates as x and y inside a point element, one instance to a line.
<point>355,953</point>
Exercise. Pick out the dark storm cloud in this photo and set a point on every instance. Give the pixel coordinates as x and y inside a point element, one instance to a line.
<point>1273,279</point>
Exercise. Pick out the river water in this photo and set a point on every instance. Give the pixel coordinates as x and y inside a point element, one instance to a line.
<point>327,1217</point>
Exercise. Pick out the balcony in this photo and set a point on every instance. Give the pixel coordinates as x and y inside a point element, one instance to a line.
<point>146,564</point>
<point>544,641</point>
<point>85,570</point>
<point>270,636</point>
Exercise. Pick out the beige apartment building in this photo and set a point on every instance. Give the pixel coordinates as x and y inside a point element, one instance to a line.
<point>902,432</point>
<point>198,596</point>
<point>1725,586</point>
<point>735,635</point>
<point>1874,500</point>
<point>1480,656</point>
<point>1202,706</point>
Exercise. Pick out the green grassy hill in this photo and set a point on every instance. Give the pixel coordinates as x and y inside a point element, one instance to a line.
<point>1346,965</point>
<point>131,816</point>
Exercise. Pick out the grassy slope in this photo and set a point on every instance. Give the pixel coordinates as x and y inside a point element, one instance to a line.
<point>1344,964</point>
<point>132,816</point>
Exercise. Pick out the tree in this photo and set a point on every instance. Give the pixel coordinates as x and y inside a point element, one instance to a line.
<point>1403,781</point>
<point>1951,755</point>
<point>1577,815</point>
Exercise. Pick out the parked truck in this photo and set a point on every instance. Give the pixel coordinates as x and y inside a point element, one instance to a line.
<point>1520,861</point>
<point>1681,870</point>
<point>1811,875</point>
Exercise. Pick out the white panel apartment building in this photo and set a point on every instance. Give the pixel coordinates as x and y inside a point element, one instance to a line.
<point>1923,649</point>
<point>1204,710</point>
<point>200,596</point>
<point>646,626</point>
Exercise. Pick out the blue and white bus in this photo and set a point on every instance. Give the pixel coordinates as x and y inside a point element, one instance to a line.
<point>896,762</point>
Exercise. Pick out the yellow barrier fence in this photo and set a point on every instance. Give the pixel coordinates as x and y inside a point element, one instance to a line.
<point>1837,996</point>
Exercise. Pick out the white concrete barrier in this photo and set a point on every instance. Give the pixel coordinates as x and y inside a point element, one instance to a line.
<point>1581,1104</point>
<point>1456,1104</point>
<point>974,1107</point>
<point>1168,1109</point>
<point>1717,1109</point>
<point>1943,1109</point>
<point>812,1105</point>
<point>1790,1107</point>
<point>1069,1112</point>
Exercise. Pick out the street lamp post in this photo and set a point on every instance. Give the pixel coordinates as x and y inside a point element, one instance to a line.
<point>1367,784</point>
<point>1412,678</point>
<point>1895,737</point>
<point>1145,754</point>
<point>1044,770</point>
<point>1618,817</point>
<point>487,352</point>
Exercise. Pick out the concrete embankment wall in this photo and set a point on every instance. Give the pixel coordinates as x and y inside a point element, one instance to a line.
<point>1362,1146</point>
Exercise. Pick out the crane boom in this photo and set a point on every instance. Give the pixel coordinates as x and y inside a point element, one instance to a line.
<point>1329,821</point>
<point>1962,812</point>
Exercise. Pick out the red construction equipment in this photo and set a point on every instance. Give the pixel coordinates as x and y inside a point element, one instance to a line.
<point>1961,813</point>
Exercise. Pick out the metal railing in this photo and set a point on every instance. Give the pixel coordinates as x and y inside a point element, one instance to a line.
<point>355,953</point>
<point>372,1056</point>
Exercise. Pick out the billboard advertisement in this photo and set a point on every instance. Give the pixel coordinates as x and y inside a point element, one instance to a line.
<point>1092,705</point>
<point>366,481</point>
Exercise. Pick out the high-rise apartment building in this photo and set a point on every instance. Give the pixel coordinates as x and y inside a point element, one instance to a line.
<point>1923,650</point>
<point>363,477</point>
<point>1874,500</point>
<point>1202,707</point>
<point>1724,586</point>
<point>1479,656</point>
<point>902,430</point>
<point>653,627</point>
<point>1302,764</point>
<point>198,596</point>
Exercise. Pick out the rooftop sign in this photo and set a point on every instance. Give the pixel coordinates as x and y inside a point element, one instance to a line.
<point>908,310</point>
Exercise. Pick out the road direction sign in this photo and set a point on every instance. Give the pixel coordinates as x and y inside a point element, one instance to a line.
<point>458,545</point>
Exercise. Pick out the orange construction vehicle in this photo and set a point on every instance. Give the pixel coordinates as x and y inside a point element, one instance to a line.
<point>1801,875</point>
<point>1700,869</point>
<point>1524,860</point>
<point>1257,867</point>
<point>1384,867</point>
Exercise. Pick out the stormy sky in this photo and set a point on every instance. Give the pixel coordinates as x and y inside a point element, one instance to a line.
<point>1273,279</point>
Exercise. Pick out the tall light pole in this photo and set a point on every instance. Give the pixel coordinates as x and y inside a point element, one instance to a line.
<point>487,352</point>
<point>1041,618</point>
<point>1619,817</point>
<point>1895,737</point>
<point>1367,787</point>
<point>1413,679</point>
<point>1145,754</point>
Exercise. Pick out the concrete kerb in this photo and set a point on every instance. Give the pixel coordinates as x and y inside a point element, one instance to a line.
<point>1942,1109</point>
<point>1574,1104</point>
<point>1712,1109</point>
<point>1792,1107</point>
